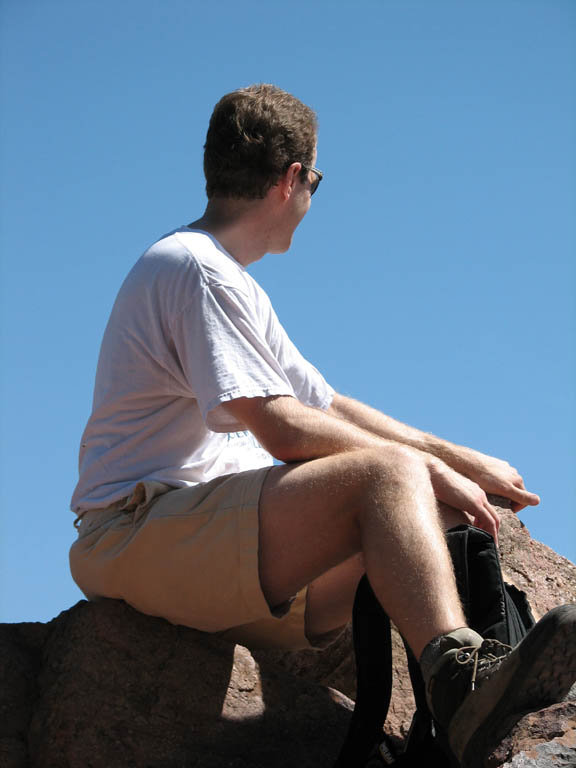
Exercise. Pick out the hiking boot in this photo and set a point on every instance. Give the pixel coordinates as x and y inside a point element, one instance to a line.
<point>477,693</point>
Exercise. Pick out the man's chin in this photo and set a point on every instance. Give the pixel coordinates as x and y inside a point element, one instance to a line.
<point>281,248</point>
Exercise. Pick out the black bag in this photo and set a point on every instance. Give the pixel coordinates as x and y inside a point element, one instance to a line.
<point>493,609</point>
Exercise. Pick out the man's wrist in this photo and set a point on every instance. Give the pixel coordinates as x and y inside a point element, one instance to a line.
<point>457,457</point>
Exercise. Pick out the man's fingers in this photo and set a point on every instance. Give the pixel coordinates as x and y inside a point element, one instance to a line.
<point>495,521</point>
<point>487,518</point>
<point>489,522</point>
<point>522,497</point>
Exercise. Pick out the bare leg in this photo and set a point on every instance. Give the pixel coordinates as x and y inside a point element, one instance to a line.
<point>330,598</point>
<point>450,517</point>
<point>316,515</point>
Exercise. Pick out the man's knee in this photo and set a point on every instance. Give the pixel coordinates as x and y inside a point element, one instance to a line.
<point>392,464</point>
<point>384,481</point>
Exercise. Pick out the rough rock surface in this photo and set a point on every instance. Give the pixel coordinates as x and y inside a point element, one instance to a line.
<point>103,686</point>
<point>541,740</point>
<point>115,688</point>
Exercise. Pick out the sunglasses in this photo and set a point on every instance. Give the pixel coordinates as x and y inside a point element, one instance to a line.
<point>316,183</point>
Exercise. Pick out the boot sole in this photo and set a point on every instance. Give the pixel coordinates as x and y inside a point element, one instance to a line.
<point>544,674</point>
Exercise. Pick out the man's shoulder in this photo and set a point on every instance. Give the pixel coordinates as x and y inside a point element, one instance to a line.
<point>172,250</point>
<point>165,268</point>
<point>184,261</point>
<point>182,255</point>
<point>216,264</point>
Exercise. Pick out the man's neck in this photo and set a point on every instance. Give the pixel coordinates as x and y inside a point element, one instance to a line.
<point>240,226</point>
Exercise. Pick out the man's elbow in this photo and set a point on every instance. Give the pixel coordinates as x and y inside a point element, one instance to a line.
<point>282,440</point>
<point>285,451</point>
<point>274,422</point>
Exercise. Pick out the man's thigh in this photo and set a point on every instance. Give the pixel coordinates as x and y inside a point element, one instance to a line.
<point>309,533</point>
<point>308,521</point>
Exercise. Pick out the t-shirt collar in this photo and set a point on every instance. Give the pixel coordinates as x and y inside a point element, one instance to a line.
<point>217,244</point>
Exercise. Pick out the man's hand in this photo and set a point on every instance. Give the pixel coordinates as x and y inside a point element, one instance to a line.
<point>460,492</point>
<point>498,477</point>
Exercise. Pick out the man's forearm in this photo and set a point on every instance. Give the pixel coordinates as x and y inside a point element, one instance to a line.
<point>458,457</point>
<point>292,432</point>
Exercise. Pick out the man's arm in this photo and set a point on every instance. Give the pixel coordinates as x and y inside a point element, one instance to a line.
<point>294,432</point>
<point>492,475</point>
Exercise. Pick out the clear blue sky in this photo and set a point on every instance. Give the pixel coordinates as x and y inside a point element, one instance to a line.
<point>433,278</point>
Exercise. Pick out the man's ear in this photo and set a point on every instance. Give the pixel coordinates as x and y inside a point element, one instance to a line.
<point>289,180</point>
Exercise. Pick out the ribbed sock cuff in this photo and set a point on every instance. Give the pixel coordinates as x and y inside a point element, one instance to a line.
<point>437,647</point>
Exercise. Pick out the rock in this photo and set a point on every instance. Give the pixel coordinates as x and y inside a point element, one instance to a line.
<point>540,740</point>
<point>20,646</point>
<point>104,686</point>
<point>118,688</point>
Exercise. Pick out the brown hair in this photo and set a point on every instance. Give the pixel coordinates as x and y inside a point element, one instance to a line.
<point>254,135</point>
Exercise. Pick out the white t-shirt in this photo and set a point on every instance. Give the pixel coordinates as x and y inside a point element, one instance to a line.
<point>190,330</point>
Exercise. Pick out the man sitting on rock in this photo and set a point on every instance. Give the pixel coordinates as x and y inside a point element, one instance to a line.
<point>181,512</point>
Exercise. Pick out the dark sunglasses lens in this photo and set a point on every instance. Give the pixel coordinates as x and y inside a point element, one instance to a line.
<point>314,185</point>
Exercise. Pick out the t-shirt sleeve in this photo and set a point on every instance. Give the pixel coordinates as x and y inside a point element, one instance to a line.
<point>309,385</point>
<point>224,349</point>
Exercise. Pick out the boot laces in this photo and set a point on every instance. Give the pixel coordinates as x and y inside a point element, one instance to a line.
<point>482,657</point>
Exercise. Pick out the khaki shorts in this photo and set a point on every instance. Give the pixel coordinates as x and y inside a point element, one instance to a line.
<point>189,555</point>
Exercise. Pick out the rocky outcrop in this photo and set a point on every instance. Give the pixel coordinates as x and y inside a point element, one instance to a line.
<point>107,687</point>
<point>104,686</point>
